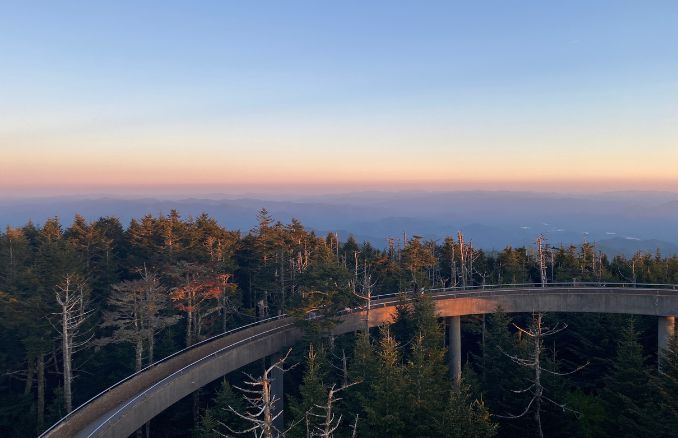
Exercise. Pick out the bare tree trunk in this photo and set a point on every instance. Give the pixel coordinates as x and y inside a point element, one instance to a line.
<point>41,390</point>
<point>344,368</point>
<point>68,373</point>
<point>267,427</point>
<point>470,264</point>
<point>542,260</point>
<point>29,376</point>
<point>261,415</point>
<point>151,348</point>
<point>538,389</point>
<point>355,270</point>
<point>138,351</point>
<point>224,312</point>
<point>282,281</point>
<point>70,295</point>
<point>536,333</point>
<point>462,257</point>
<point>189,328</point>
<point>330,423</point>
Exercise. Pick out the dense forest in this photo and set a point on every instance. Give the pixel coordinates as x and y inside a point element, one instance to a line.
<point>86,305</point>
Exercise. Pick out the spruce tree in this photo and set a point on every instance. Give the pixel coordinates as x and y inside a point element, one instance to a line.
<point>666,388</point>
<point>362,368</point>
<point>217,416</point>
<point>426,386</point>
<point>464,417</point>
<point>387,405</point>
<point>313,393</point>
<point>426,376</point>
<point>499,377</point>
<point>627,394</point>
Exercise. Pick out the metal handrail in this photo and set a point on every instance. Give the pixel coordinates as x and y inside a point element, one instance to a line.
<point>157,363</point>
<point>191,365</point>
<point>578,284</point>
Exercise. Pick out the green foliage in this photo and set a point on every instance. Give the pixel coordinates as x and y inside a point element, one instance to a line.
<point>665,385</point>
<point>627,395</point>
<point>591,414</point>
<point>388,391</point>
<point>217,418</point>
<point>464,417</point>
<point>313,392</point>
<point>499,376</point>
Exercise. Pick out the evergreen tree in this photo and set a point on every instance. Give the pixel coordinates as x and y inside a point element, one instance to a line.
<point>387,404</point>
<point>499,377</point>
<point>463,417</point>
<point>627,394</point>
<point>426,374</point>
<point>666,388</point>
<point>363,368</point>
<point>313,393</point>
<point>218,414</point>
<point>426,387</point>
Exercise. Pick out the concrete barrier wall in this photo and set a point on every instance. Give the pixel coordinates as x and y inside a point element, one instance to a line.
<point>85,417</point>
<point>151,401</point>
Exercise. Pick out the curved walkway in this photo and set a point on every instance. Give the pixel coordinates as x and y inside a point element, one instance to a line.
<point>126,406</point>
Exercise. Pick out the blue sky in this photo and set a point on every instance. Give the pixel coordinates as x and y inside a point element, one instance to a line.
<point>456,93</point>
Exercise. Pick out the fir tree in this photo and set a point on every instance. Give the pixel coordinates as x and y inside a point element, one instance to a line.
<point>666,387</point>
<point>499,377</point>
<point>463,417</point>
<point>387,404</point>
<point>313,393</point>
<point>215,417</point>
<point>627,393</point>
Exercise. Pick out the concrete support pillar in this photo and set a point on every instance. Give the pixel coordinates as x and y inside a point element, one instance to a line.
<point>666,327</point>
<point>278,391</point>
<point>454,347</point>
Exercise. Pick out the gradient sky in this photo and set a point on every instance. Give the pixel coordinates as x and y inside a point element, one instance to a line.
<point>234,95</point>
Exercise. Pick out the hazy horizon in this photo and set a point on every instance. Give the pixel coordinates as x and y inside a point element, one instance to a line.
<point>291,192</point>
<point>621,222</point>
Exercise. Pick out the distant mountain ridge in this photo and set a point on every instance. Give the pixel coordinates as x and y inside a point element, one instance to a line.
<point>621,222</point>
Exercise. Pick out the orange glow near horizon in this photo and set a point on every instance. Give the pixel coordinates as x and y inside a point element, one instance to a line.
<point>308,186</point>
<point>314,153</point>
<point>117,175</point>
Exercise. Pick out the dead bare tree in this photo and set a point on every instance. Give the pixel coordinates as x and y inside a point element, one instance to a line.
<point>227,299</point>
<point>261,414</point>
<point>330,423</point>
<point>536,334</point>
<point>541,254</point>
<point>136,314</point>
<point>365,293</point>
<point>462,257</point>
<point>71,297</point>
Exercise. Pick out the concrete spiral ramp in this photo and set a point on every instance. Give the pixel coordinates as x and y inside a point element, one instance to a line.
<point>126,406</point>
